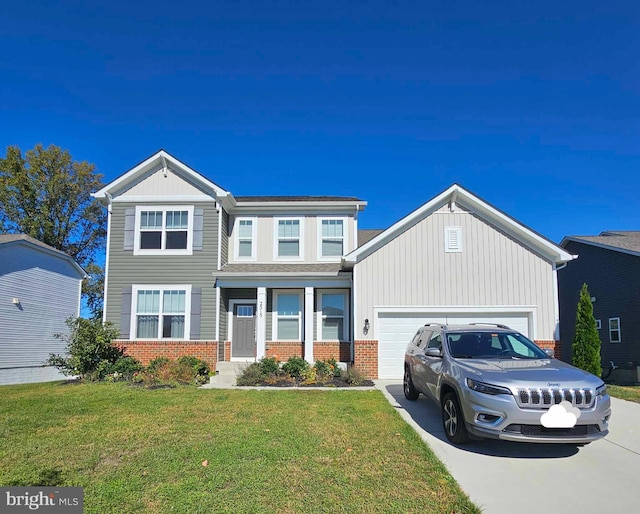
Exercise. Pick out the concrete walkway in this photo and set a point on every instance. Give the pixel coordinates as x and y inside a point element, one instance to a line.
<point>505,477</point>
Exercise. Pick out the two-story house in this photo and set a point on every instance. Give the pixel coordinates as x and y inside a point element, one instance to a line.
<point>191,269</point>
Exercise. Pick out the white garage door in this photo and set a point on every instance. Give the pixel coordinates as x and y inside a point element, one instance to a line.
<point>395,330</point>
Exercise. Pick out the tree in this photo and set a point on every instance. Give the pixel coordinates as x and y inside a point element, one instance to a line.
<point>47,195</point>
<point>586,342</point>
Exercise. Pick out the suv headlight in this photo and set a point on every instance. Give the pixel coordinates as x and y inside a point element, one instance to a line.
<point>602,390</point>
<point>481,387</point>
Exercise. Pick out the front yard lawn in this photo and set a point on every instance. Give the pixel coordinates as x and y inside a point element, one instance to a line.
<point>630,393</point>
<point>190,450</point>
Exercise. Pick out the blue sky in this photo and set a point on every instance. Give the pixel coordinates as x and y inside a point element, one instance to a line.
<point>534,106</point>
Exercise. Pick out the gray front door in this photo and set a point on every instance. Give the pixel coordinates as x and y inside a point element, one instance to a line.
<point>244,331</point>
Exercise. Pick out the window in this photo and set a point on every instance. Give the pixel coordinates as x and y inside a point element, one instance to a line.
<point>598,324</point>
<point>244,311</point>
<point>287,317</point>
<point>245,237</point>
<point>333,317</point>
<point>453,239</point>
<point>289,237</point>
<point>436,341</point>
<point>161,312</point>
<point>164,230</point>
<point>614,330</point>
<point>331,238</point>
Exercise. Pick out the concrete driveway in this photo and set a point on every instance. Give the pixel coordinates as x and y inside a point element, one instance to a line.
<point>505,477</point>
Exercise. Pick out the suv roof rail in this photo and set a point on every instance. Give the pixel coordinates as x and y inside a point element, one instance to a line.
<point>492,325</point>
<point>441,325</point>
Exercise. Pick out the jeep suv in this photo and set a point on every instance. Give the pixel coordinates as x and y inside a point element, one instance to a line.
<point>493,382</point>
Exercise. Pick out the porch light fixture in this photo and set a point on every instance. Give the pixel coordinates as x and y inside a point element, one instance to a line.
<point>365,329</point>
<point>15,301</point>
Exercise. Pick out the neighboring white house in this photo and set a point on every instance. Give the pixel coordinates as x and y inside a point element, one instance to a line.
<point>40,288</point>
<point>455,260</point>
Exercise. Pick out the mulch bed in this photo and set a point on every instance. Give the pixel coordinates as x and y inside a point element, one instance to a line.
<point>336,382</point>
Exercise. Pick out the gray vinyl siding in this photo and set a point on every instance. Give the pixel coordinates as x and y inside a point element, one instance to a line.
<point>613,278</point>
<point>226,295</point>
<point>224,241</point>
<point>126,269</point>
<point>493,270</point>
<point>48,289</point>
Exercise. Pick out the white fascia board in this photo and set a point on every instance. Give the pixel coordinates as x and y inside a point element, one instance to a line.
<point>158,159</point>
<point>554,252</point>
<point>284,283</point>
<point>304,274</point>
<point>566,239</point>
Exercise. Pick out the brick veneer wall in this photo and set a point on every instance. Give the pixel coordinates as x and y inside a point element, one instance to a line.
<point>365,357</point>
<point>146,351</point>
<point>282,350</point>
<point>323,350</point>
<point>556,346</point>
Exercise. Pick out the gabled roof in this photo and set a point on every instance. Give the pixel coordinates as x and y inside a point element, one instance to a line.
<point>624,241</point>
<point>297,199</point>
<point>367,234</point>
<point>457,194</point>
<point>157,161</point>
<point>24,239</point>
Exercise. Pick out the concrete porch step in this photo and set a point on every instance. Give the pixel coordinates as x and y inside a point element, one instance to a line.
<point>230,368</point>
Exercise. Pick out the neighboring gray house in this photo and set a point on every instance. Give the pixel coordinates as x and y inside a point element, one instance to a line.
<point>609,264</point>
<point>40,288</point>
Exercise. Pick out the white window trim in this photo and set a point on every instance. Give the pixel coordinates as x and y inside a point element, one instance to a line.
<point>332,258</point>
<point>164,208</point>
<point>236,239</point>
<point>164,287</point>
<point>447,239</point>
<point>274,323</point>
<point>598,324</point>
<point>345,324</point>
<point>276,223</point>
<point>619,330</point>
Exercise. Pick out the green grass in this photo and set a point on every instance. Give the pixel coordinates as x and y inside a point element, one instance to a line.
<point>140,450</point>
<point>630,393</point>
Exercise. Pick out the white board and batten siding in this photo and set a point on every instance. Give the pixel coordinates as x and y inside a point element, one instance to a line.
<point>48,291</point>
<point>494,278</point>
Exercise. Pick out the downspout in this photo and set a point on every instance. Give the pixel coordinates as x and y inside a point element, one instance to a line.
<point>556,300</point>
<point>106,262</point>
<point>219,210</point>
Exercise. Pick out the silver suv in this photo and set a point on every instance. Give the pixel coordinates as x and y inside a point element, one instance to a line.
<point>493,382</point>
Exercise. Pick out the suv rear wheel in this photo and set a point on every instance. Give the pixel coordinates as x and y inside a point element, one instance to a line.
<point>410,392</point>
<point>453,420</point>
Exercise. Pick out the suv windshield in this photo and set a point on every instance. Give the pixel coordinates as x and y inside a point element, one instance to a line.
<point>492,345</point>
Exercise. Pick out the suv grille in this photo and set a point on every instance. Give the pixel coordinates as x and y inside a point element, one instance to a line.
<point>546,397</point>
<point>540,431</point>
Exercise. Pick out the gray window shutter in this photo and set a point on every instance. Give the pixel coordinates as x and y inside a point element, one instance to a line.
<point>196,307</point>
<point>125,314</point>
<point>129,228</point>
<point>198,228</point>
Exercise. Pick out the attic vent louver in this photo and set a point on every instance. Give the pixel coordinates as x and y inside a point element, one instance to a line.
<point>453,239</point>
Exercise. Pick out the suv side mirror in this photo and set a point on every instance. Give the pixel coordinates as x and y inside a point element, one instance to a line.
<point>433,352</point>
<point>549,352</point>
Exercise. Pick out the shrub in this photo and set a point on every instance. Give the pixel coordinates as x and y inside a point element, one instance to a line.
<point>586,342</point>
<point>157,363</point>
<point>353,377</point>
<point>89,349</point>
<point>251,375</point>
<point>295,367</point>
<point>327,369</point>
<point>199,367</point>
<point>269,366</point>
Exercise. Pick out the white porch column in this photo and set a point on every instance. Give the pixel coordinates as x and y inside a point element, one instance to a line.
<point>308,324</point>
<point>261,328</point>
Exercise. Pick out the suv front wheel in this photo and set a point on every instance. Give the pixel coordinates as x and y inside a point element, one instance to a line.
<point>453,420</point>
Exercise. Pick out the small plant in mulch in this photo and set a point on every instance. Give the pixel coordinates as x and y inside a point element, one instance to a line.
<point>298,372</point>
<point>164,372</point>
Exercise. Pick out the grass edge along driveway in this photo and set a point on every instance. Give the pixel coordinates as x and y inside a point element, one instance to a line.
<point>189,450</point>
